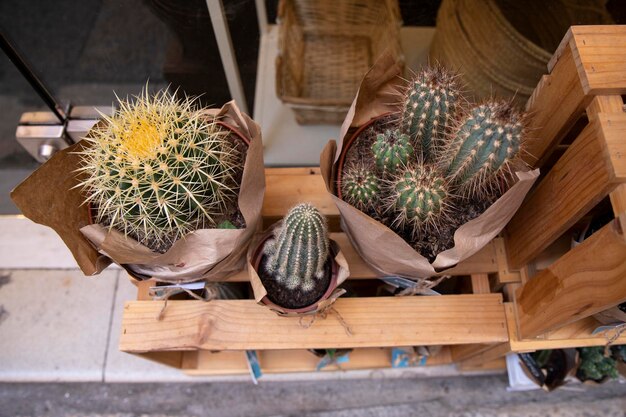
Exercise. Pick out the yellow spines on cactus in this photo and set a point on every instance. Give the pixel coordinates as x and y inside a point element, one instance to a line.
<point>158,169</point>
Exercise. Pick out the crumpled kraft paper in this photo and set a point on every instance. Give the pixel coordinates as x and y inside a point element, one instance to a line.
<point>47,197</point>
<point>378,245</point>
<point>259,289</point>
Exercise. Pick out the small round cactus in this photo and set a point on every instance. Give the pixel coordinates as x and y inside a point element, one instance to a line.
<point>483,147</point>
<point>429,102</point>
<point>158,169</point>
<point>419,197</point>
<point>392,150</point>
<point>360,187</point>
<point>297,254</point>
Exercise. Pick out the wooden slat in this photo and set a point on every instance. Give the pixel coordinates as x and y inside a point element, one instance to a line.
<point>283,361</point>
<point>576,334</point>
<point>600,56</point>
<point>556,104</point>
<point>374,322</point>
<point>586,280</point>
<point>286,187</point>
<point>497,364</point>
<point>583,176</point>
<point>487,359</point>
<point>480,284</point>
<point>505,275</point>
<point>484,262</point>
<point>463,352</point>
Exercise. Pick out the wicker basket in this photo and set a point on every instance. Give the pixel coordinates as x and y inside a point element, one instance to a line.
<point>502,47</point>
<point>325,48</point>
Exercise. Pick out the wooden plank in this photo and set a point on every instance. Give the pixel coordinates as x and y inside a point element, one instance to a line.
<point>505,275</point>
<point>463,352</point>
<point>576,334</point>
<point>586,280</point>
<point>486,359</point>
<point>374,322</point>
<point>600,56</point>
<point>480,283</point>
<point>286,187</point>
<point>618,202</point>
<point>583,176</point>
<point>556,104</point>
<point>484,261</point>
<point>298,360</point>
<point>497,364</point>
<point>173,359</point>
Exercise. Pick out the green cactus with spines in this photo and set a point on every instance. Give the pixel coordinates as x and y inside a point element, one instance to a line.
<point>483,147</point>
<point>594,365</point>
<point>430,101</point>
<point>158,169</point>
<point>419,197</point>
<point>299,250</point>
<point>360,187</point>
<point>392,150</point>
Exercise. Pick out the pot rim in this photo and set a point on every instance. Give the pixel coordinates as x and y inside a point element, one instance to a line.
<point>348,145</point>
<point>334,272</point>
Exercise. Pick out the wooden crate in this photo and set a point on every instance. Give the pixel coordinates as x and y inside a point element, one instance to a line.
<point>580,129</point>
<point>191,330</point>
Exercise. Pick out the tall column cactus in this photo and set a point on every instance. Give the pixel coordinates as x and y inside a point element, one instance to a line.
<point>157,169</point>
<point>429,102</point>
<point>392,151</point>
<point>297,254</point>
<point>483,147</point>
<point>419,197</point>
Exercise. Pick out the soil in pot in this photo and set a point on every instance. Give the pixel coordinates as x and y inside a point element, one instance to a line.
<point>293,299</point>
<point>430,243</point>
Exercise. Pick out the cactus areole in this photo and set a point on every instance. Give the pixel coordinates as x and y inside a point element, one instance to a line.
<point>295,261</point>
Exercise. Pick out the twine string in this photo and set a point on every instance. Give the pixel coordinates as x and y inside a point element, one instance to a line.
<point>323,313</point>
<point>211,292</point>
<point>617,332</point>
<point>422,286</point>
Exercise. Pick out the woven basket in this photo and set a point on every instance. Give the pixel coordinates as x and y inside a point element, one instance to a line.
<point>325,48</point>
<point>502,47</point>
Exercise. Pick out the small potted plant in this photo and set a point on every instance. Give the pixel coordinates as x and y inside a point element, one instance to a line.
<point>296,267</point>
<point>164,188</point>
<point>594,367</point>
<point>423,179</point>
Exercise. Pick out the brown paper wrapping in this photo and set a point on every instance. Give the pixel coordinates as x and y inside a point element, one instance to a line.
<point>47,197</point>
<point>378,245</point>
<point>259,289</point>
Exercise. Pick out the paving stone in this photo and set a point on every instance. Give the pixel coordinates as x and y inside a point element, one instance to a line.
<point>54,324</point>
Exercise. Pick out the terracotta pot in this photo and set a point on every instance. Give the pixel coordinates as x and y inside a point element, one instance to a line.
<point>257,255</point>
<point>344,150</point>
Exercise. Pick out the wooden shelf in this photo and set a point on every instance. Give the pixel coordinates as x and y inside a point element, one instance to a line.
<point>576,334</point>
<point>374,322</point>
<point>282,361</point>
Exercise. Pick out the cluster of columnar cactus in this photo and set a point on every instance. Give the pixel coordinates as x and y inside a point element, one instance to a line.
<point>360,187</point>
<point>299,250</point>
<point>158,169</point>
<point>392,151</point>
<point>439,154</point>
